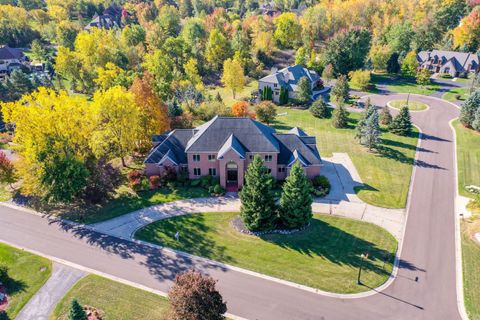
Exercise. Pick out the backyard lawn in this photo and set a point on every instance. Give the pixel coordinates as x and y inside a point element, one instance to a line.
<point>327,255</point>
<point>227,95</point>
<point>115,301</point>
<point>126,201</point>
<point>385,173</point>
<point>468,158</point>
<point>471,266</point>
<point>412,105</point>
<point>456,94</point>
<point>27,274</point>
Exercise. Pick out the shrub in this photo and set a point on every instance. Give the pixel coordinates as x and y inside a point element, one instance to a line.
<point>155,182</point>
<point>320,186</point>
<point>360,79</point>
<point>76,311</point>
<point>7,170</point>
<point>266,112</point>
<point>168,174</point>
<point>134,175</point>
<point>216,190</point>
<point>193,296</point>
<point>4,274</point>
<point>340,117</point>
<point>320,109</point>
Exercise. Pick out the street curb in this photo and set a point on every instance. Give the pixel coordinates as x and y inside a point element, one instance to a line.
<point>390,106</point>
<point>458,241</point>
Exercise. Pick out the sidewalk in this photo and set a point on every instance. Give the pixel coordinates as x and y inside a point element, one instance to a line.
<point>341,201</point>
<point>45,300</point>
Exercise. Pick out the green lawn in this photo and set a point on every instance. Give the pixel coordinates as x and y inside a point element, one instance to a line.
<point>412,105</point>
<point>410,86</point>
<point>126,201</point>
<point>28,273</point>
<point>456,94</point>
<point>325,256</point>
<point>114,300</point>
<point>385,173</point>
<point>227,95</point>
<point>471,267</point>
<point>468,158</point>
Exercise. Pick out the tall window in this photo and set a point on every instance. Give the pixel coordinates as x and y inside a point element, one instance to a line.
<point>268,158</point>
<point>269,170</point>
<point>212,157</point>
<point>197,172</point>
<point>212,171</point>
<point>282,169</point>
<point>196,157</point>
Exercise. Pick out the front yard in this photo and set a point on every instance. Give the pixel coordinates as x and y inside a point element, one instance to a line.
<point>27,273</point>
<point>385,173</point>
<point>468,158</point>
<point>114,300</point>
<point>327,255</point>
<point>471,267</point>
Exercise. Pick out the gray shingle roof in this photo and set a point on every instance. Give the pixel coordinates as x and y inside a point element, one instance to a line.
<point>232,143</point>
<point>460,60</point>
<point>290,76</point>
<point>7,53</point>
<point>175,142</point>
<point>291,142</point>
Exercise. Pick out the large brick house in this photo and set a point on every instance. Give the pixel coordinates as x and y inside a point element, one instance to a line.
<point>224,147</point>
<point>456,64</point>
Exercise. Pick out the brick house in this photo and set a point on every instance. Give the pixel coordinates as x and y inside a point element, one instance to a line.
<point>224,147</point>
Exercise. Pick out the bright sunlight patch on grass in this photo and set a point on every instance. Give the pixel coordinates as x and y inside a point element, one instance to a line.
<point>412,105</point>
<point>227,95</point>
<point>327,255</point>
<point>27,274</point>
<point>468,158</point>
<point>116,301</point>
<point>385,172</point>
<point>410,86</point>
<point>471,267</point>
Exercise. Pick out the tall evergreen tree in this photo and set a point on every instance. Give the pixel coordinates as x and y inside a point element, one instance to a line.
<point>320,109</point>
<point>258,210</point>
<point>295,202</point>
<point>476,122</point>
<point>340,91</point>
<point>304,90</point>
<point>340,117</point>
<point>369,110</point>
<point>402,123</point>
<point>371,131</point>
<point>469,108</point>
<point>76,311</point>
<point>385,116</point>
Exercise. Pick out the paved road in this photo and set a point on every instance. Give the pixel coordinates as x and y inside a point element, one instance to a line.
<point>428,252</point>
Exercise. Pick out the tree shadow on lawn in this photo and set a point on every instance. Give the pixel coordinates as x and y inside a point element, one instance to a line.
<point>163,265</point>
<point>337,246</point>
<point>398,144</point>
<point>14,286</point>
<point>387,152</point>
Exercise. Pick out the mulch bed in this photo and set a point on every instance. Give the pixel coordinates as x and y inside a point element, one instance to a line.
<point>4,302</point>
<point>238,225</point>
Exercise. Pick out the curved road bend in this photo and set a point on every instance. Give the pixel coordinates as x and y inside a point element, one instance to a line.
<point>428,251</point>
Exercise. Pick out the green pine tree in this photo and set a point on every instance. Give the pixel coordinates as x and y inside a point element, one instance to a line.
<point>370,135</point>
<point>341,89</point>
<point>340,117</point>
<point>469,108</point>
<point>402,123</point>
<point>476,122</point>
<point>295,202</point>
<point>320,109</point>
<point>369,110</point>
<point>76,311</point>
<point>269,94</point>
<point>386,116</point>
<point>258,209</point>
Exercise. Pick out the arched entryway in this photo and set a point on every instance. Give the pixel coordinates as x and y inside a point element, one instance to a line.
<point>231,177</point>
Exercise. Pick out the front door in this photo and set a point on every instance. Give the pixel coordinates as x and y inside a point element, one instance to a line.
<point>232,177</point>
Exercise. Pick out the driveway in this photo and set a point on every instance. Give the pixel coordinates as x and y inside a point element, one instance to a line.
<point>424,288</point>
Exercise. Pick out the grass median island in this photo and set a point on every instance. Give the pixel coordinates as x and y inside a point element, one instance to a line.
<point>27,273</point>
<point>385,173</point>
<point>471,266</point>
<point>412,105</point>
<point>115,300</point>
<point>326,255</point>
<point>468,157</point>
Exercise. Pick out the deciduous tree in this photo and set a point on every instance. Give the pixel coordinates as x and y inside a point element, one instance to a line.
<point>266,112</point>
<point>287,30</point>
<point>7,170</point>
<point>233,76</point>
<point>423,77</point>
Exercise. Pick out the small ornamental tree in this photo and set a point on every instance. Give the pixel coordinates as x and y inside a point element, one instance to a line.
<point>295,202</point>
<point>423,77</point>
<point>360,79</point>
<point>340,117</point>
<point>7,170</point>
<point>193,296</point>
<point>328,74</point>
<point>76,311</point>
<point>402,124</point>
<point>469,108</point>
<point>240,109</point>
<point>476,122</point>
<point>410,65</point>
<point>385,116</point>
<point>258,204</point>
<point>319,109</point>
<point>266,112</point>
<point>304,90</point>
<point>340,92</point>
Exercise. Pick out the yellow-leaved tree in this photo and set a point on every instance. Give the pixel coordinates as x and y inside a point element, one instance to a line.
<point>233,76</point>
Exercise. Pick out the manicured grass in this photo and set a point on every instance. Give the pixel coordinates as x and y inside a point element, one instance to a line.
<point>471,267</point>
<point>114,300</point>
<point>410,86</point>
<point>456,94</point>
<point>126,201</point>
<point>468,158</point>
<point>385,173</point>
<point>412,105</point>
<point>326,255</point>
<point>227,95</point>
<point>27,272</point>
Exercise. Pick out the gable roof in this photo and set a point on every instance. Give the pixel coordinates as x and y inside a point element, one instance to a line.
<point>290,76</point>
<point>7,53</point>
<point>232,143</point>
<point>299,132</point>
<point>460,61</point>
<point>297,156</point>
<point>292,145</point>
<point>172,145</point>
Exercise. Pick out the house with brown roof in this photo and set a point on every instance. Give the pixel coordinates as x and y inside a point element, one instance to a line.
<point>224,147</point>
<point>456,64</point>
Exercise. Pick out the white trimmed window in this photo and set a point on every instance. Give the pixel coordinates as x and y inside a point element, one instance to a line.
<point>197,172</point>
<point>212,157</point>
<point>196,157</point>
<point>268,158</point>
<point>212,171</point>
<point>282,169</point>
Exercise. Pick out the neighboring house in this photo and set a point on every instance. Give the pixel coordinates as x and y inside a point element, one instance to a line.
<point>288,78</point>
<point>224,147</point>
<point>10,59</point>
<point>456,64</point>
<point>109,19</point>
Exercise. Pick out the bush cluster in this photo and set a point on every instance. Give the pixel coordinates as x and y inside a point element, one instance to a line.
<point>320,186</point>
